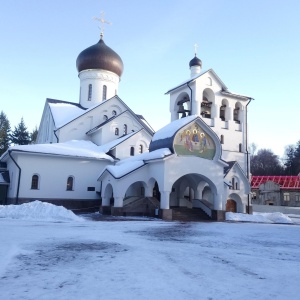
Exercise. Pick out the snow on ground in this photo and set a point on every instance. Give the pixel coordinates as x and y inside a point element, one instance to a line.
<point>148,260</point>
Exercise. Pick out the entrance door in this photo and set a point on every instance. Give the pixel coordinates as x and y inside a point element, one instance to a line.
<point>231,205</point>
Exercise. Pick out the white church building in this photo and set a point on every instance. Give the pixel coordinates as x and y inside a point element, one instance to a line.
<point>99,154</point>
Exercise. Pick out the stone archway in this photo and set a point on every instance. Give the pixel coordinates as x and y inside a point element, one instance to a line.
<point>231,206</point>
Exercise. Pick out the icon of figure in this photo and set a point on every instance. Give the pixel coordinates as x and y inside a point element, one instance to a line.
<point>195,137</point>
<point>203,145</point>
<point>188,143</point>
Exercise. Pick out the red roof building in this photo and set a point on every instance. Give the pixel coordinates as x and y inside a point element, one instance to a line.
<point>285,182</point>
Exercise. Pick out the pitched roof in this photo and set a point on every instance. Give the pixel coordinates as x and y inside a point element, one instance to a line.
<point>285,182</point>
<point>224,87</point>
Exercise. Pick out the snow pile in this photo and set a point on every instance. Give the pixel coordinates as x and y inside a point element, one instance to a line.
<point>276,217</point>
<point>38,210</point>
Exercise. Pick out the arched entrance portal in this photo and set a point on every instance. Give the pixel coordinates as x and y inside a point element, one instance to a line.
<point>190,188</point>
<point>231,206</point>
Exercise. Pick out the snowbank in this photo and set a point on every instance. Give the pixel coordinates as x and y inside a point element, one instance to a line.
<point>276,217</point>
<point>38,210</point>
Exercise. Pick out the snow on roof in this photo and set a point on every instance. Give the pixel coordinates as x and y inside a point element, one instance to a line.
<point>71,148</point>
<point>108,146</point>
<point>170,129</point>
<point>63,113</point>
<point>38,210</point>
<point>130,164</point>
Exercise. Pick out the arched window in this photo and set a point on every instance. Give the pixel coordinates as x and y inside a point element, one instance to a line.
<point>35,182</point>
<point>125,129</point>
<point>114,113</point>
<point>90,92</point>
<point>240,147</point>
<point>222,139</point>
<point>70,183</point>
<point>140,148</point>
<point>116,131</point>
<point>104,92</point>
<point>233,183</point>
<point>105,117</point>
<point>132,151</point>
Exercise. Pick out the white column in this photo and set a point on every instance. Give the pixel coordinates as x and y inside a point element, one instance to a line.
<point>165,199</point>
<point>105,201</point>
<point>118,202</point>
<point>218,205</point>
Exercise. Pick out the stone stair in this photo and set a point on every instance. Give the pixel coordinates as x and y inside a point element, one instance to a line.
<point>185,214</point>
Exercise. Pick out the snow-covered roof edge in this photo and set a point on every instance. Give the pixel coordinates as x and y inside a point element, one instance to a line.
<point>197,76</point>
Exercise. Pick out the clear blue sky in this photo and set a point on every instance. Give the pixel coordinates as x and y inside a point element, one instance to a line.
<point>254,47</point>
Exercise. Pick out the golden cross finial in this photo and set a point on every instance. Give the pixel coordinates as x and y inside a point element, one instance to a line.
<point>102,22</point>
<point>196,47</point>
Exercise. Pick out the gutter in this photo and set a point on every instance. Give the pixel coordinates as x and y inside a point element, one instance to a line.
<point>191,97</point>
<point>19,177</point>
<point>247,153</point>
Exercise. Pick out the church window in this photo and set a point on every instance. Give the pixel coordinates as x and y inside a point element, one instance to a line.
<point>116,131</point>
<point>222,139</point>
<point>114,113</point>
<point>233,184</point>
<point>35,182</point>
<point>240,147</point>
<point>125,129</point>
<point>105,117</point>
<point>90,92</point>
<point>104,92</point>
<point>131,151</point>
<point>141,149</point>
<point>286,197</point>
<point>70,183</point>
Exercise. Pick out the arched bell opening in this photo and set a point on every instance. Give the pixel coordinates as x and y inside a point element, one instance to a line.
<point>183,106</point>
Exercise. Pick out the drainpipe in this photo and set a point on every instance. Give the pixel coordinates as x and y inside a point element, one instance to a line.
<point>54,131</point>
<point>191,97</point>
<point>19,178</point>
<point>247,152</point>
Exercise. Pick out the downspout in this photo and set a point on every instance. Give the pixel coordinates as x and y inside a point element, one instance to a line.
<point>19,179</point>
<point>54,131</point>
<point>191,97</point>
<point>247,154</point>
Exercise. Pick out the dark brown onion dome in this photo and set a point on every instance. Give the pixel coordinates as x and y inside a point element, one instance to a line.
<point>100,56</point>
<point>195,62</point>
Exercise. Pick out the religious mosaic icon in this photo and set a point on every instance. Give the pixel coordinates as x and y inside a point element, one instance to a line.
<point>192,140</point>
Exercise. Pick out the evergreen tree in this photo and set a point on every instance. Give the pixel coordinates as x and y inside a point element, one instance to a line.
<point>296,160</point>
<point>4,133</point>
<point>33,135</point>
<point>292,160</point>
<point>265,162</point>
<point>20,135</point>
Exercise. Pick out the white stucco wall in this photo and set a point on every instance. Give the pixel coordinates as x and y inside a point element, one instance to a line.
<point>53,173</point>
<point>97,78</point>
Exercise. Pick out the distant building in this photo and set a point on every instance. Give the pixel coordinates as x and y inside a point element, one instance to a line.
<point>99,153</point>
<point>276,190</point>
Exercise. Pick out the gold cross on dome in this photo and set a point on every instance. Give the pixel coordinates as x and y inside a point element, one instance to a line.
<point>196,47</point>
<point>102,22</point>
